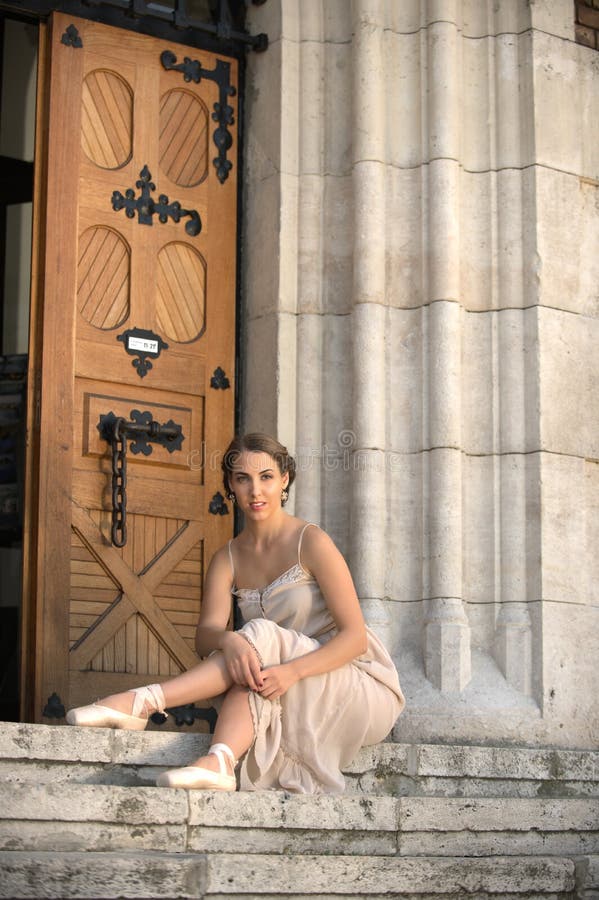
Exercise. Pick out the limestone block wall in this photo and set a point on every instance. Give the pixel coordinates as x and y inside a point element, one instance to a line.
<point>421,299</point>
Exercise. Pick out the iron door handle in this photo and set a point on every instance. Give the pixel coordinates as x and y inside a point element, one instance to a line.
<point>144,431</point>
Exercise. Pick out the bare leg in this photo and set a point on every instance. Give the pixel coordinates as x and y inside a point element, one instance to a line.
<point>234,727</point>
<point>208,679</point>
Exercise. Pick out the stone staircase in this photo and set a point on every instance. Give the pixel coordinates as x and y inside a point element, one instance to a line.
<point>80,818</point>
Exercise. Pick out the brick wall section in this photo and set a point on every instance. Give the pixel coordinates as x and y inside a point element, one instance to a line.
<point>587,22</point>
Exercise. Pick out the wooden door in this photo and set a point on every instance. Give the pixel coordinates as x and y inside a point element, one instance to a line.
<point>133,316</point>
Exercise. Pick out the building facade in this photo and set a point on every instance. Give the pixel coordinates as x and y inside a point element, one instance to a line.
<point>419,324</point>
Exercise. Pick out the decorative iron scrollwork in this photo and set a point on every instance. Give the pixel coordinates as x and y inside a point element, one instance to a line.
<point>186,715</point>
<point>54,708</point>
<point>142,344</point>
<point>217,506</point>
<point>143,429</point>
<point>71,38</point>
<point>146,208</point>
<point>219,380</point>
<point>193,70</point>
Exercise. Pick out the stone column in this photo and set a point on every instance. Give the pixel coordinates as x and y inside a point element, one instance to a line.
<point>309,275</point>
<point>368,317</point>
<point>514,362</point>
<point>446,628</point>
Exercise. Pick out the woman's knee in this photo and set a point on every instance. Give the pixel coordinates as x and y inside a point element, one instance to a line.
<point>237,690</point>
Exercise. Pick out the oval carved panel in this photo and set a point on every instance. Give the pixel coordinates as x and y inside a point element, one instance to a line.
<point>183,146</point>
<point>103,278</point>
<point>106,119</point>
<point>181,292</point>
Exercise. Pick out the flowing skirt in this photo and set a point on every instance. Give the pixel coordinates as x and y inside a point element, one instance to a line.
<point>306,737</point>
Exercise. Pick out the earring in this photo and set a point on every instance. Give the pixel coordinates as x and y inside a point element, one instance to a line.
<point>284,495</point>
<point>231,496</point>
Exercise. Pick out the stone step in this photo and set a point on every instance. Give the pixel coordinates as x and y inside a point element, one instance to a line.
<point>47,753</point>
<point>73,817</point>
<point>234,876</point>
<point>77,820</point>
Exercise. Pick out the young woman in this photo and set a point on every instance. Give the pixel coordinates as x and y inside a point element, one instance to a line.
<point>304,683</point>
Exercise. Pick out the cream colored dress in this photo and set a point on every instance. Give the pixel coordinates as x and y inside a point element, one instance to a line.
<point>304,739</point>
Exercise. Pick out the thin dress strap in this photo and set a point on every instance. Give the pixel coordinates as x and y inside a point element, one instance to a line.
<point>299,545</point>
<point>231,560</point>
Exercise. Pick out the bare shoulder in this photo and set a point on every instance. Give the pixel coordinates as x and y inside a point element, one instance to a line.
<point>323,559</point>
<point>318,547</point>
<point>220,564</point>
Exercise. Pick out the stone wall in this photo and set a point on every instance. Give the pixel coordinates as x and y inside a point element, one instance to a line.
<point>420,316</point>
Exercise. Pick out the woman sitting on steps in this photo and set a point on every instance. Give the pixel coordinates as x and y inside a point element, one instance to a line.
<point>304,683</point>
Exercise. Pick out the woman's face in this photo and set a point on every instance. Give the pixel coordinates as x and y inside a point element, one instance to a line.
<point>257,484</point>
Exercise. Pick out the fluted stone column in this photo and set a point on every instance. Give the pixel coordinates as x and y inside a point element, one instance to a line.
<point>368,319</point>
<point>447,632</point>
<point>515,366</point>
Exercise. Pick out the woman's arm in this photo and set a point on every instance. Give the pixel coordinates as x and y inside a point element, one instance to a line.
<point>212,632</point>
<point>322,558</point>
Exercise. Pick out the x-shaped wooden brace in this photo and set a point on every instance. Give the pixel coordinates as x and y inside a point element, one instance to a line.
<point>137,596</point>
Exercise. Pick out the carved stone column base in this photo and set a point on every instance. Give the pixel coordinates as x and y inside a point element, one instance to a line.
<point>447,659</point>
<point>513,646</point>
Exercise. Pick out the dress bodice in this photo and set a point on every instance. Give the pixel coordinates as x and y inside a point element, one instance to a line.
<point>292,600</point>
<point>295,602</point>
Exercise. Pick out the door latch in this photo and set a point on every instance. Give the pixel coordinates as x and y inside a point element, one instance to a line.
<point>144,431</point>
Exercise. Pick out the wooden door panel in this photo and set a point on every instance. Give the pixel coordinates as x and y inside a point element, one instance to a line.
<point>90,357</point>
<point>139,237</point>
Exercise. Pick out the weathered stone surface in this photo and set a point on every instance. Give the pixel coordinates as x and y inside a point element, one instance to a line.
<point>570,528</point>
<point>567,266</point>
<point>479,19</point>
<point>274,809</point>
<point>454,814</point>
<point>300,846</point>
<point>572,677</point>
<point>150,748</point>
<point>553,17</point>
<point>519,771</point>
<point>566,81</point>
<point>85,875</point>
<point>568,374</point>
<point>505,762</point>
<point>587,877</point>
<point>140,875</point>
<point>97,802</point>
<point>371,875</point>
<point>392,895</point>
<point>494,843</point>
<point>70,836</point>
<point>497,415</point>
<point>24,741</point>
<point>287,841</point>
<point>74,817</point>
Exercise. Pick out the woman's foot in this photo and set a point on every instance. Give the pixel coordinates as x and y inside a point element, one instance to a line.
<point>214,772</point>
<point>129,710</point>
<point>212,763</point>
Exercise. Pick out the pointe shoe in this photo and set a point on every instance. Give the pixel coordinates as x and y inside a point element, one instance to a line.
<point>196,778</point>
<point>98,716</point>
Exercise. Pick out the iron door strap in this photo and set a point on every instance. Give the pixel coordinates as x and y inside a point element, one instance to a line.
<point>144,431</point>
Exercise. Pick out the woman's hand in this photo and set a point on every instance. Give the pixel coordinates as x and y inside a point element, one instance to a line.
<point>242,661</point>
<point>277,680</point>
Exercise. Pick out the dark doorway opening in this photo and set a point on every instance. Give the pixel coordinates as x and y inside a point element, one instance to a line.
<point>18,72</point>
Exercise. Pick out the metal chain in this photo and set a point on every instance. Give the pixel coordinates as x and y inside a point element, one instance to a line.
<point>119,483</point>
